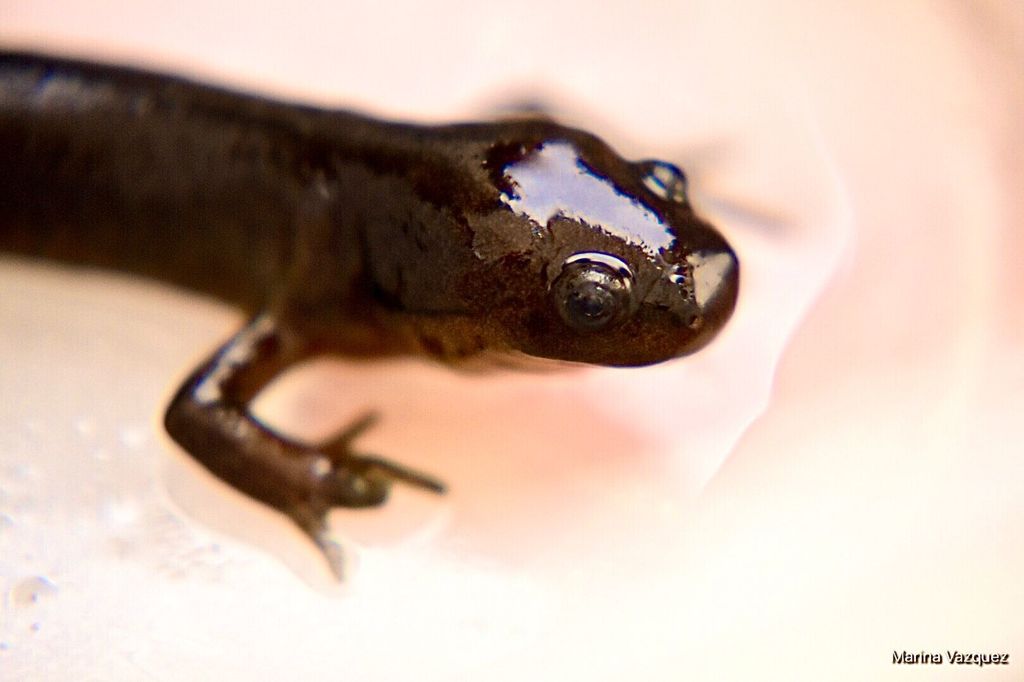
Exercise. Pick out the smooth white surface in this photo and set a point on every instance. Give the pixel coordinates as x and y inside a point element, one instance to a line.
<point>877,505</point>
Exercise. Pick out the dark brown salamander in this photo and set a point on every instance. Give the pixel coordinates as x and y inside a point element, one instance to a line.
<point>342,234</point>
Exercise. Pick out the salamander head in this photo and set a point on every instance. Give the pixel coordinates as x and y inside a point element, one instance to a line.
<point>593,259</point>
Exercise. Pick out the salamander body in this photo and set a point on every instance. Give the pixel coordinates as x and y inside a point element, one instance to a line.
<point>338,233</point>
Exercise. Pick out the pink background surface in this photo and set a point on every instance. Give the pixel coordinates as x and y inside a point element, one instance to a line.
<point>840,476</point>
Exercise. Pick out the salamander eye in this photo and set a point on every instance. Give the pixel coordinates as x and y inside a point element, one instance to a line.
<point>665,180</point>
<point>594,291</point>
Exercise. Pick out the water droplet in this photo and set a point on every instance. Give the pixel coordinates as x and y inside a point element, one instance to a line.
<point>133,437</point>
<point>120,513</point>
<point>665,180</point>
<point>321,467</point>
<point>31,590</point>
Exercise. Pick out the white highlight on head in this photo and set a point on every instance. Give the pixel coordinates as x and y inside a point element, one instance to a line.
<point>554,182</point>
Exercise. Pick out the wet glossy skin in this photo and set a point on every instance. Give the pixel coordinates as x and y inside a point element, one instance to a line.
<point>341,234</point>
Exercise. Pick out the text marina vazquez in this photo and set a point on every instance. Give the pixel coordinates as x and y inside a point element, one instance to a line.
<point>951,657</point>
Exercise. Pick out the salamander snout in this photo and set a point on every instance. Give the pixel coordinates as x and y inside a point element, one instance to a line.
<point>609,309</point>
<point>714,280</point>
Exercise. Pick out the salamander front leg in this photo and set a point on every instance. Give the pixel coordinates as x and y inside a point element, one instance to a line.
<point>209,417</point>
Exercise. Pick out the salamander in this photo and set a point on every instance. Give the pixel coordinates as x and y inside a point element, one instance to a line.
<point>340,234</point>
